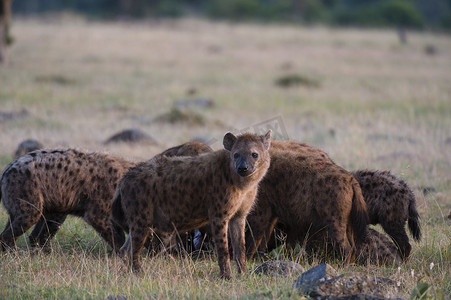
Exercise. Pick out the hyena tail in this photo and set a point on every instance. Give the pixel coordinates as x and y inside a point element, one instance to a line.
<point>359,214</point>
<point>117,211</point>
<point>413,221</point>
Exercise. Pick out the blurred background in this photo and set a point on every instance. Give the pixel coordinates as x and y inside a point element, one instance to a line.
<point>433,14</point>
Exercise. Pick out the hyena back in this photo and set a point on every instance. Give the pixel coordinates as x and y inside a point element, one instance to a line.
<point>44,186</point>
<point>192,148</point>
<point>177,194</point>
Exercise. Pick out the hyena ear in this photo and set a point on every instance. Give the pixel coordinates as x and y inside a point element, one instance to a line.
<point>229,141</point>
<point>266,139</point>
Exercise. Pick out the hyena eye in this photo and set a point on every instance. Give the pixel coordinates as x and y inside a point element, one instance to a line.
<point>255,155</point>
<point>236,155</point>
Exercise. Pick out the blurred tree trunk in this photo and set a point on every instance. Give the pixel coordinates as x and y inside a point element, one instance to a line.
<point>5,21</point>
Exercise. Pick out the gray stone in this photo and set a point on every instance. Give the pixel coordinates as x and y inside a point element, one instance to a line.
<point>279,268</point>
<point>130,136</point>
<point>350,286</point>
<point>116,297</point>
<point>13,115</point>
<point>199,102</point>
<point>320,272</point>
<point>355,297</point>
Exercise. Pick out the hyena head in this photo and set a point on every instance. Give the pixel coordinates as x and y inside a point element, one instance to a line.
<point>248,152</point>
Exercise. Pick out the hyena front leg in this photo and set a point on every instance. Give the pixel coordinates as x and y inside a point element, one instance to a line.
<point>219,231</point>
<point>236,229</point>
<point>133,245</point>
<point>260,223</point>
<point>111,233</point>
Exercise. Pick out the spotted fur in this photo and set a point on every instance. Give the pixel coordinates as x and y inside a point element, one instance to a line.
<point>391,203</point>
<point>44,186</point>
<point>176,194</point>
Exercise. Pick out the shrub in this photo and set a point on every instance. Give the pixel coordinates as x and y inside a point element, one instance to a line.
<point>400,13</point>
<point>296,80</point>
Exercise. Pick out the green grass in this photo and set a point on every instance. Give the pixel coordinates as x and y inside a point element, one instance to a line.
<point>379,105</point>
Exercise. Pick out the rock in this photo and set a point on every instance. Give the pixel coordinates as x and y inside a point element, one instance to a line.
<point>27,146</point>
<point>320,272</point>
<point>278,268</point>
<point>353,284</point>
<point>130,136</point>
<point>115,297</point>
<point>318,284</point>
<point>176,115</point>
<point>430,49</point>
<point>12,115</point>
<point>199,102</point>
<point>356,297</point>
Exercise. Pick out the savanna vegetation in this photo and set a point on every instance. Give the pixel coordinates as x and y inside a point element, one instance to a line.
<point>362,96</point>
<point>433,14</point>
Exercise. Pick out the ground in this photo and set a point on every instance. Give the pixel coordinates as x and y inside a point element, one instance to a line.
<point>376,103</point>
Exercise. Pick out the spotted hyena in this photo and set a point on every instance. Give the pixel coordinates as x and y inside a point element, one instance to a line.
<point>44,186</point>
<point>27,146</point>
<point>381,190</point>
<point>378,249</point>
<point>310,195</point>
<point>178,194</point>
<point>390,203</point>
<point>192,148</point>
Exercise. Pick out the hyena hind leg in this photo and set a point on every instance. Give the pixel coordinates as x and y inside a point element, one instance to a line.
<point>15,227</point>
<point>46,228</point>
<point>399,236</point>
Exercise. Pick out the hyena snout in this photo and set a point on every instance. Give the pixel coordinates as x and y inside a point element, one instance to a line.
<point>243,166</point>
<point>243,169</point>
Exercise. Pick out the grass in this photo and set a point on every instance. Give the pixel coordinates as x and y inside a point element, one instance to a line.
<point>380,105</point>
